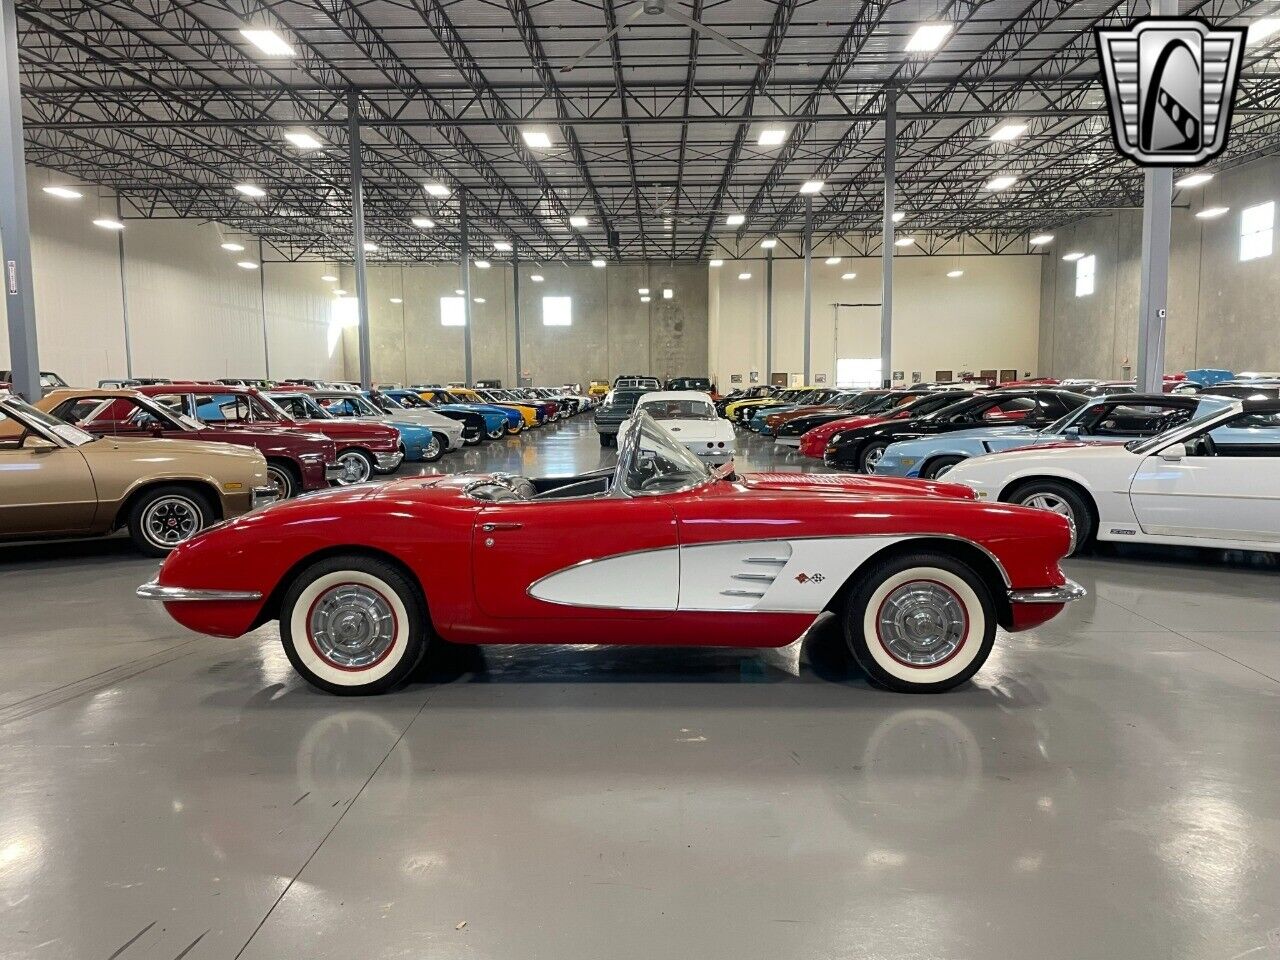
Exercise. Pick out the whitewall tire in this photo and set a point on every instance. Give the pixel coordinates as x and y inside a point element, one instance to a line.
<point>354,625</point>
<point>920,623</point>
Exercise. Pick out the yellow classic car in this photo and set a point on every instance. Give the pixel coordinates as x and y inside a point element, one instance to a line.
<point>57,480</point>
<point>467,395</point>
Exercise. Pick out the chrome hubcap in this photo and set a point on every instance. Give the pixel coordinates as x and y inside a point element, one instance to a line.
<point>352,626</point>
<point>433,447</point>
<point>171,520</point>
<point>278,480</point>
<point>922,623</point>
<point>874,456</point>
<point>355,469</point>
<point>1054,504</point>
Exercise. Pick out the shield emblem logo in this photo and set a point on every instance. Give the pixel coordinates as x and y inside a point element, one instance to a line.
<point>1170,84</point>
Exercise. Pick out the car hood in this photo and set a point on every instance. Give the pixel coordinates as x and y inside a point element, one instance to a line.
<point>152,450</point>
<point>348,429</point>
<point>827,483</point>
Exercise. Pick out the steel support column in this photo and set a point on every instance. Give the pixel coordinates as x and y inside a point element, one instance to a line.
<point>515,299</point>
<point>357,242</point>
<point>464,243</point>
<point>768,316</point>
<point>262,303</point>
<point>124,294</point>
<point>886,254</point>
<point>808,290</point>
<point>15,228</point>
<point>1153,292</point>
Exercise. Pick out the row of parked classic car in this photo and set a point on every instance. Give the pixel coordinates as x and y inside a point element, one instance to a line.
<point>166,459</point>
<point>1198,464</point>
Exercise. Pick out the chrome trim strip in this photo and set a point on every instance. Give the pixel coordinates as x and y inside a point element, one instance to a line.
<point>741,593</point>
<point>761,577</point>
<point>782,560</point>
<point>154,591</point>
<point>1066,593</point>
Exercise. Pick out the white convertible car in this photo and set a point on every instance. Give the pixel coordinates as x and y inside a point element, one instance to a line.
<point>691,417</point>
<point>1212,482</point>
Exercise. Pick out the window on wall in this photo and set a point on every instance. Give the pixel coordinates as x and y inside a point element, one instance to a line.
<point>1257,229</point>
<point>557,311</point>
<point>453,312</point>
<point>857,371</point>
<point>1085,267</point>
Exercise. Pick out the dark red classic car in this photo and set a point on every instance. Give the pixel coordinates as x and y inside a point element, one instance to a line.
<point>363,448</point>
<point>659,550</point>
<point>296,461</point>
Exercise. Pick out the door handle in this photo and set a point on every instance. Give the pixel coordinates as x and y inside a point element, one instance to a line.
<point>490,527</point>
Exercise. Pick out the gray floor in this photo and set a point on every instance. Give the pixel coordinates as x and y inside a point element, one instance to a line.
<point>1106,789</point>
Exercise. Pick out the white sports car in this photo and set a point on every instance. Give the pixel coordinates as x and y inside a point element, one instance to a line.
<point>691,417</point>
<point>1212,482</point>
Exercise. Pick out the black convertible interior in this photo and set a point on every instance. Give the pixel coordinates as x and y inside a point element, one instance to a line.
<point>504,487</point>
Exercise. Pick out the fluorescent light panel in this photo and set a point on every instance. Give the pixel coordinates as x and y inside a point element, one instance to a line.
<point>928,37</point>
<point>955,273</point>
<point>668,293</point>
<point>1007,131</point>
<point>329,278</point>
<point>1040,239</point>
<point>63,193</point>
<point>1002,182</point>
<point>397,300</point>
<point>1193,180</point>
<point>715,262</point>
<point>904,241</point>
<point>233,247</point>
<point>812,186</point>
<point>249,190</point>
<point>898,216</point>
<point>771,137</point>
<point>1212,213</point>
<point>1072,256</point>
<point>538,139</point>
<point>436,189</point>
<point>735,220</point>
<point>247,265</point>
<point>481,264</point>
<point>744,276</point>
<point>106,223</point>
<point>598,263</point>
<point>768,243</point>
<point>1264,29</point>
<point>832,261</point>
<point>268,42</point>
<point>536,278</point>
<point>424,223</point>
<point>847,276</point>
<point>502,246</point>
<point>303,140</point>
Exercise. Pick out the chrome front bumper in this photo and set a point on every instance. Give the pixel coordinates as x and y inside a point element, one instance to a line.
<point>333,471</point>
<point>153,591</point>
<point>1064,594</point>
<point>262,496</point>
<point>787,441</point>
<point>387,461</point>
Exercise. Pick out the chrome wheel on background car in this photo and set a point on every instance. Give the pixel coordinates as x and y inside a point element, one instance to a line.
<point>356,466</point>
<point>281,478</point>
<point>920,623</point>
<point>354,625</point>
<point>872,454</point>
<point>494,434</point>
<point>166,517</point>
<point>433,450</point>
<point>1060,499</point>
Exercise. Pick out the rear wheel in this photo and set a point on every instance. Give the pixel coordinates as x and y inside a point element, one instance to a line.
<point>938,466</point>
<point>281,476</point>
<point>920,623</point>
<point>354,625</point>
<point>1061,499</point>
<point>162,518</point>
<point>357,467</point>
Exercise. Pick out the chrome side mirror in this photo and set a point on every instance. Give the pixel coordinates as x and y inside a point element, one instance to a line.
<point>1174,452</point>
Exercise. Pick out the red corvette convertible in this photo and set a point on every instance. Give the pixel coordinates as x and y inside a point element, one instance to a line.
<point>658,550</point>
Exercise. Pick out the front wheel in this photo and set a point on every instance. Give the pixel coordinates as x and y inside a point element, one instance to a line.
<point>514,428</point>
<point>357,467</point>
<point>921,623</point>
<point>354,625</point>
<point>495,434</point>
<point>872,453</point>
<point>1063,500</point>
<point>433,450</point>
<point>165,517</point>
<point>938,467</point>
<point>281,477</point>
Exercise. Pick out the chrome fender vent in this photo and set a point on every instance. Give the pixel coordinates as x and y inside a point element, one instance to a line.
<point>759,570</point>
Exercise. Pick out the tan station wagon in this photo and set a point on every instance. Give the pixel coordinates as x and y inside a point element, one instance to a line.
<point>57,480</point>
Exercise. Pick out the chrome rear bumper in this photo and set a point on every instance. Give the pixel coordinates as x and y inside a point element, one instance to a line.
<point>153,591</point>
<point>387,461</point>
<point>1064,594</point>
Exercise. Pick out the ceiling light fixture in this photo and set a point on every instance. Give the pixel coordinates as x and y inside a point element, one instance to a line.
<point>1073,255</point>
<point>329,278</point>
<point>955,273</point>
<point>1007,131</point>
<point>716,262</point>
<point>303,140</point>
<point>479,299</point>
<point>928,37</point>
<point>396,300</point>
<point>1002,182</point>
<point>233,247</point>
<point>832,261</point>
<point>339,293</point>
<point>247,265</point>
<point>536,278</point>
<point>459,293</point>
<point>598,263</point>
<point>106,223</point>
<point>578,222</point>
<point>898,216</point>
<point>370,247</point>
<point>538,139</point>
<point>502,246</point>
<point>1040,239</point>
<point>744,276</point>
<point>768,243</point>
<point>904,241</point>
<point>63,193</point>
<point>812,186</point>
<point>1261,30</point>
<point>668,293</point>
<point>735,220</point>
<point>249,190</point>
<point>1193,180</point>
<point>1212,213</point>
<point>847,276</point>
<point>268,42</point>
<point>643,291</point>
<point>481,264</point>
<point>645,299</point>
<point>436,189</point>
<point>424,223</point>
<point>771,137</point>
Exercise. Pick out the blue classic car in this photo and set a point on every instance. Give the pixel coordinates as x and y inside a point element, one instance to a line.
<point>491,424</point>
<point>445,401</point>
<point>1114,419</point>
<point>421,443</point>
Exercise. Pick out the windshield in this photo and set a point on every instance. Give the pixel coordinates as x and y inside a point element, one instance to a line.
<point>299,406</point>
<point>348,405</point>
<point>1147,444</point>
<point>652,461</point>
<point>624,400</point>
<point>679,409</point>
<point>17,416</point>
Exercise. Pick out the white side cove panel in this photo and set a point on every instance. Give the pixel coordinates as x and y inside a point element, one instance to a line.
<point>649,580</point>
<point>791,576</point>
<point>779,576</point>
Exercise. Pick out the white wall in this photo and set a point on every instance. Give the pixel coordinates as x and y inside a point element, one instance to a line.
<point>987,319</point>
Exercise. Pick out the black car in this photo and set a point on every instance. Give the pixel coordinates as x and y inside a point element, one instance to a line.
<point>690,383</point>
<point>619,407</point>
<point>473,425</point>
<point>762,390</point>
<point>868,403</point>
<point>860,449</point>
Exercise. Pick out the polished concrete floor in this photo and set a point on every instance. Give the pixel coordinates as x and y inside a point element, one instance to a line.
<point>1107,788</point>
